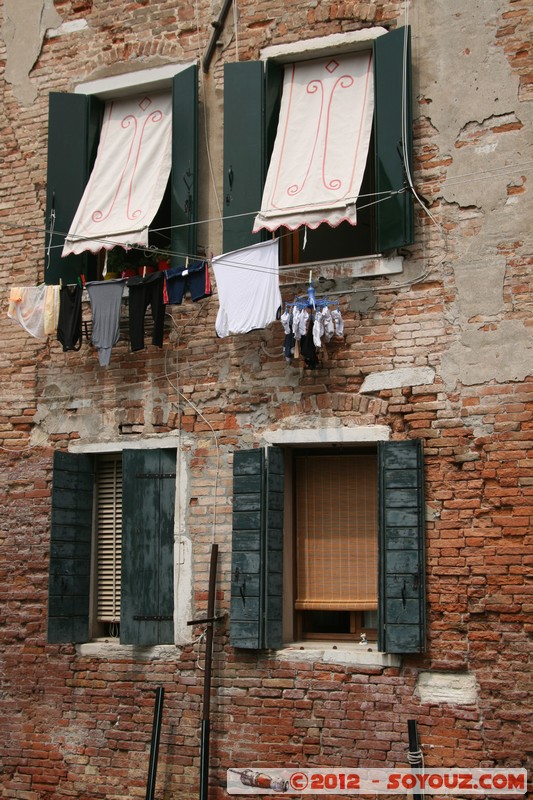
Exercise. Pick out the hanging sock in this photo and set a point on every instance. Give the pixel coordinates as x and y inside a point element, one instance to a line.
<point>318,328</point>
<point>338,322</point>
<point>286,321</point>
<point>299,322</point>
<point>329,326</point>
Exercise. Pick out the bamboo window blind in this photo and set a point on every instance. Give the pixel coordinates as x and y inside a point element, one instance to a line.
<point>336,532</point>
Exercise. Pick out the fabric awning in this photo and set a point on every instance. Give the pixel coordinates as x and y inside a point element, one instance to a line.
<point>321,144</point>
<point>129,177</point>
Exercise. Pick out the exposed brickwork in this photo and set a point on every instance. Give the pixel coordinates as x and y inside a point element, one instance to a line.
<point>79,726</point>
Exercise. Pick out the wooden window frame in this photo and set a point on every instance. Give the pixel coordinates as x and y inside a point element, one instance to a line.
<point>262,574</point>
<point>252,92</point>
<point>147,560</point>
<point>74,122</point>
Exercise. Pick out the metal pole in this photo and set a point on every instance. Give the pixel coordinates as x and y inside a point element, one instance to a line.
<point>414,755</point>
<point>204,743</point>
<point>154,746</point>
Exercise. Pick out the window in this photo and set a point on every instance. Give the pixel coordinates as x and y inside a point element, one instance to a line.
<point>249,136</point>
<point>74,123</point>
<point>112,547</point>
<point>334,543</point>
<point>354,555</point>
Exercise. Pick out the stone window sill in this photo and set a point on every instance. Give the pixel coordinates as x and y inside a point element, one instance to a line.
<point>355,654</point>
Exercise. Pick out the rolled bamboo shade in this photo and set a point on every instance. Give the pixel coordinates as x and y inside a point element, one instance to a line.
<point>336,532</point>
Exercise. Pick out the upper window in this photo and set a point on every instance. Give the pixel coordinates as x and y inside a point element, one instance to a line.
<point>329,546</point>
<point>112,547</point>
<point>367,108</point>
<point>76,122</point>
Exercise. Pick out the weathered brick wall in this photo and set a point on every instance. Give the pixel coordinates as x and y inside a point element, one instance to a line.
<point>77,725</point>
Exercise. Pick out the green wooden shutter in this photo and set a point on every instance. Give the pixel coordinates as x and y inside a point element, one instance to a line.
<point>401,624</point>
<point>257,549</point>
<point>251,108</point>
<point>394,216</point>
<point>73,133</point>
<point>273,550</point>
<point>147,596</point>
<point>184,175</point>
<point>70,548</point>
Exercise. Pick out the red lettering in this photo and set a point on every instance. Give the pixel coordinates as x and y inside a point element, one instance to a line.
<point>317,781</point>
<point>394,781</point>
<point>465,781</point>
<point>353,782</point>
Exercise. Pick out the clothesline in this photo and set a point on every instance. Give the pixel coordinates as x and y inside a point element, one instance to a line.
<point>244,305</point>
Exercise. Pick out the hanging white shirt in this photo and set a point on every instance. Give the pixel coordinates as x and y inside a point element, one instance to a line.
<point>248,288</point>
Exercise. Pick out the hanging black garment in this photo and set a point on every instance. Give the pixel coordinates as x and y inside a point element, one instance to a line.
<point>307,346</point>
<point>146,291</point>
<point>69,320</point>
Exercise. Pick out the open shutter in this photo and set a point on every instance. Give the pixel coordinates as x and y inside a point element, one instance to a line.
<point>148,495</point>
<point>257,549</point>
<point>273,549</point>
<point>73,133</point>
<point>184,175</point>
<point>401,623</point>
<point>394,216</point>
<point>251,106</point>
<point>70,548</point>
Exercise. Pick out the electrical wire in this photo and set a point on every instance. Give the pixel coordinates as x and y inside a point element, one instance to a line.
<point>236,28</point>
<point>206,131</point>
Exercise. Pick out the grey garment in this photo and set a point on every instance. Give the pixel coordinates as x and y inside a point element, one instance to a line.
<point>106,299</point>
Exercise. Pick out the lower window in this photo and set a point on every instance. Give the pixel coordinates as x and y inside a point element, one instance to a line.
<point>329,545</point>
<point>112,547</point>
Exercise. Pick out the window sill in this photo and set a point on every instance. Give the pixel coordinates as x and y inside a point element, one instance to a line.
<point>350,269</point>
<point>350,654</point>
<point>111,648</point>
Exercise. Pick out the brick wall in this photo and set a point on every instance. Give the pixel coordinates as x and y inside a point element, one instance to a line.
<point>79,725</point>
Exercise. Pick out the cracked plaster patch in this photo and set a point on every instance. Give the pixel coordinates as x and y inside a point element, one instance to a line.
<point>502,355</point>
<point>25,25</point>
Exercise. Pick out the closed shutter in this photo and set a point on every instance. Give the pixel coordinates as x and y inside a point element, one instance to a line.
<point>73,133</point>
<point>401,613</point>
<point>148,496</point>
<point>70,548</point>
<point>184,175</point>
<point>257,549</point>
<point>394,215</point>
<point>251,106</point>
<point>108,538</point>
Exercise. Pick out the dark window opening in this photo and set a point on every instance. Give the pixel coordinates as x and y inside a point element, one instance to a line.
<point>347,625</point>
<point>345,241</point>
